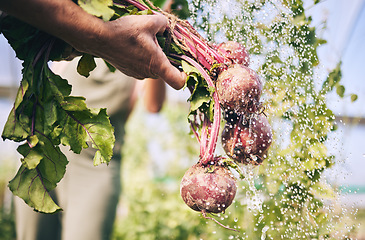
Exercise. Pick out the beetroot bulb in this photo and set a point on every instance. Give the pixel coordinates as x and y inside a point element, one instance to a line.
<point>208,189</point>
<point>239,89</point>
<point>247,144</point>
<point>234,52</point>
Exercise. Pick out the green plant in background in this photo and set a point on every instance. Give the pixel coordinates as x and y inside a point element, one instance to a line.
<point>286,197</point>
<point>7,221</point>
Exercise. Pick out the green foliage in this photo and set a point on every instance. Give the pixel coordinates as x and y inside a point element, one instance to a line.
<point>86,65</point>
<point>99,8</point>
<point>353,97</point>
<point>333,81</point>
<point>7,221</point>
<point>201,94</point>
<point>45,115</point>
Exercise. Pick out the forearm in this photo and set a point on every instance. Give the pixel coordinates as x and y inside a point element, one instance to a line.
<point>154,94</point>
<point>128,43</point>
<point>61,18</point>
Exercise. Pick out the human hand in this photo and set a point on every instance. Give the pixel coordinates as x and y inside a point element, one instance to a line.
<point>130,44</point>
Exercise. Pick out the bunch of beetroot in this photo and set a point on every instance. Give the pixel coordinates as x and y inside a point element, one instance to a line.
<point>209,185</point>
<point>235,91</point>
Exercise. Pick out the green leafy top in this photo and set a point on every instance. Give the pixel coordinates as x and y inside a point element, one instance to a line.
<point>44,115</point>
<point>201,94</point>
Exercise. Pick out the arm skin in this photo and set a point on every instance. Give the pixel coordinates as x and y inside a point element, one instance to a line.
<point>154,94</point>
<point>129,43</point>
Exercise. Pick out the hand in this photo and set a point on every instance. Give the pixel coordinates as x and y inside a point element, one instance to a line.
<point>130,44</point>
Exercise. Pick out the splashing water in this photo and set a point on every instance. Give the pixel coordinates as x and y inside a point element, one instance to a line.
<point>287,197</point>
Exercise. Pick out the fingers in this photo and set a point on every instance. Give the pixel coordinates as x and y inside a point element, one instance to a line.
<point>162,67</point>
<point>158,24</point>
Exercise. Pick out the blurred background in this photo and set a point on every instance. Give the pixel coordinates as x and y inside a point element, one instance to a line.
<point>345,33</point>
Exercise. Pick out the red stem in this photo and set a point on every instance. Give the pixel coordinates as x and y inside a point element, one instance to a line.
<point>137,4</point>
<point>204,137</point>
<point>208,154</point>
<point>211,54</point>
<point>215,130</point>
<point>215,54</point>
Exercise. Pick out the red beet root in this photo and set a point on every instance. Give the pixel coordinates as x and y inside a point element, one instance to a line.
<point>235,52</point>
<point>249,143</point>
<point>208,189</point>
<point>239,89</point>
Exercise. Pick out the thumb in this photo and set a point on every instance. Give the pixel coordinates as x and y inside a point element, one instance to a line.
<point>173,76</point>
<point>166,71</point>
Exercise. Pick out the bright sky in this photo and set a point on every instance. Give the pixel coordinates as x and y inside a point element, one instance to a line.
<point>345,34</point>
<point>9,66</point>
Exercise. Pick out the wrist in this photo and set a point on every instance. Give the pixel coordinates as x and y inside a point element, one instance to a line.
<point>80,29</point>
<point>86,38</point>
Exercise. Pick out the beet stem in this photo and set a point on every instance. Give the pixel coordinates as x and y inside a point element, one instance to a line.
<point>137,4</point>
<point>199,47</point>
<point>215,127</point>
<point>204,137</point>
<point>208,154</point>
